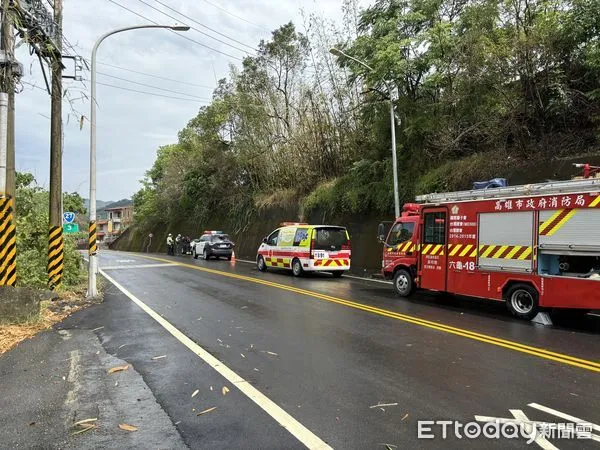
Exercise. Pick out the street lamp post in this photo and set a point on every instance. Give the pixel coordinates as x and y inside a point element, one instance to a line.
<point>338,52</point>
<point>92,261</point>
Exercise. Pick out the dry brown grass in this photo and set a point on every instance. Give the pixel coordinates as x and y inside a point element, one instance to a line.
<point>51,312</point>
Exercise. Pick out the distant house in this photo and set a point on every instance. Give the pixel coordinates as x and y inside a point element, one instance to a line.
<point>101,229</point>
<point>119,216</point>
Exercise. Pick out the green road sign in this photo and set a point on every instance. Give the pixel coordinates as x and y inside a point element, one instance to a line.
<point>70,228</point>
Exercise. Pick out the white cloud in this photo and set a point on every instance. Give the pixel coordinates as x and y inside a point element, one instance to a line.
<point>131,126</point>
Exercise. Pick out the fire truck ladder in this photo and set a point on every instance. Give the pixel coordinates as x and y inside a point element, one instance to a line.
<point>550,187</point>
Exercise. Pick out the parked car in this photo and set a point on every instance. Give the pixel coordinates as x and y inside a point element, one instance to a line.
<point>213,243</point>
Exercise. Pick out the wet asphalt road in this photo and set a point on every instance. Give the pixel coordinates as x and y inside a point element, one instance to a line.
<point>328,363</point>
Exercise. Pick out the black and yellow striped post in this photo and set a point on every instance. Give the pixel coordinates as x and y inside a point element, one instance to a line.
<point>8,244</point>
<point>56,256</point>
<point>92,245</point>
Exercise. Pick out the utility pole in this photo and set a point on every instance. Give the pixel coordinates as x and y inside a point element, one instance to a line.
<point>55,236</point>
<point>8,245</point>
<point>8,42</point>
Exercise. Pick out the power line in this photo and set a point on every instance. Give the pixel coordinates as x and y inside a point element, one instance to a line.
<point>151,75</point>
<point>194,28</point>
<point>237,17</point>
<point>205,26</point>
<point>151,86</point>
<point>33,86</point>
<point>178,34</point>
<point>146,92</point>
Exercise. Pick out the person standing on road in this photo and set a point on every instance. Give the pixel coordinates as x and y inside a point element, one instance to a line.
<point>170,244</point>
<point>178,243</point>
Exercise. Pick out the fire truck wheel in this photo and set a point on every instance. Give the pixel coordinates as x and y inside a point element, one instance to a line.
<point>403,283</point>
<point>522,301</point>
<point>260,264</point>
<point>297,267</point>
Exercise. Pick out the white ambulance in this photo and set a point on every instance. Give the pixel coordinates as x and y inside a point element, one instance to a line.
<point>306,248</point>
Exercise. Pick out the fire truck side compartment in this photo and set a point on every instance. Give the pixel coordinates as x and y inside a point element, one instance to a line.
<point>573,249</point>
<point>506,229</point>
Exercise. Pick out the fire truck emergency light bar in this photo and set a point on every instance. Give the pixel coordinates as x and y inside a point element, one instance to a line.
<point>552,187</point>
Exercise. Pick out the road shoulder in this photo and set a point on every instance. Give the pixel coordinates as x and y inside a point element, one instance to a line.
<point>61,377</point>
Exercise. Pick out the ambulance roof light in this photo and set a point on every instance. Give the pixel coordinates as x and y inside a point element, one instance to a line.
<point>288,224</point>
<point>213,232</point>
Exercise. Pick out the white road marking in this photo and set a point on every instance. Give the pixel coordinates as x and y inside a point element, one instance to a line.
<point>303,434</point>
<point>368,279</point>
<point>562,415</point>
<point>521,419</point>
<point>540,439</point>
<point>138,266</point>
<point>125,260</point>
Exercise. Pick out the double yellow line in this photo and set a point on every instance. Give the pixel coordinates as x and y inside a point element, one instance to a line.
<point>511,345</point>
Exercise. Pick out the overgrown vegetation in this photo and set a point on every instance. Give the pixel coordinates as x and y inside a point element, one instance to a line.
<point>474,83</point>
<point>32,235</point>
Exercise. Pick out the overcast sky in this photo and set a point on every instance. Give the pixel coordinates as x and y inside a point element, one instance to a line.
<point>131,126</point>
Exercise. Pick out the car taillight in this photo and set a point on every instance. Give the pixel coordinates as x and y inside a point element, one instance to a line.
<point>346,246</point>
<point>312,247</point>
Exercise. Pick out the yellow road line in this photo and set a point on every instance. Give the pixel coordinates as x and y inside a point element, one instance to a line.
<point>512,345</point>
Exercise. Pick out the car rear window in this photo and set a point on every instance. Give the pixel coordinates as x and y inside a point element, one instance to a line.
<point>330,238</point>
<point>220,238</point>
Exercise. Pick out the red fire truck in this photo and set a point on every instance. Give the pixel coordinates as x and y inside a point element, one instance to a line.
<point>535,246</point>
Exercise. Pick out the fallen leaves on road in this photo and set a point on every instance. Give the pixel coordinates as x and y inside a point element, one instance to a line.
<point>206,411</point>
<point>88,427</point>
<point>154,358</point>
<point>242,355</point>
<point>225,390</point>
<point>269,353</point>
<point>379,405</point>
<point>98,329</point>
<point>118,369</point>
<point>404,417</point>
<point>127,427</point>
<point>84,421</point>
<point>195,393</point>
<point>84,425</point>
